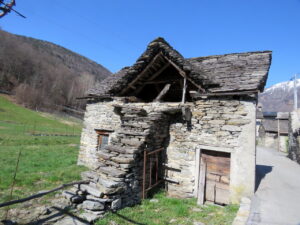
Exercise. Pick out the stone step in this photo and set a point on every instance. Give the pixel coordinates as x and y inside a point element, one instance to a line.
<point>124,150</point>
<point>72,197</point>
<point>93,205</point>
<point>91,190</point>
<point>111,171</point>
<point>132,133</point>
<point>89,175</point>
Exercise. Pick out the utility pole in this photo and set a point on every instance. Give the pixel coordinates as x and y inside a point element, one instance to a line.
<point>295,93</point>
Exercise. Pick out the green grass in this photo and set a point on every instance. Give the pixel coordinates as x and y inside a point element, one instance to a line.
<point>46,161</point>
<point>171,211</point>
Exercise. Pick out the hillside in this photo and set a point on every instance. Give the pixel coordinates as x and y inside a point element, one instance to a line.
<point>43,75</point>
<point>48,145</point>
<point>279,97</point>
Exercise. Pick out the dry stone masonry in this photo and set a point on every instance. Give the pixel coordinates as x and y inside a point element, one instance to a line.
<point>172,123</point>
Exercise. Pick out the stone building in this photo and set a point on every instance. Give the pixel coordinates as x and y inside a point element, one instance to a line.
<point>185,124</point>
<point>273,130</point>
<point>294,137</point>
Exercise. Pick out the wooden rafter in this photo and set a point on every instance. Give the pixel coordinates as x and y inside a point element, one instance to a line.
<point>152,77</point>
<point>182,73</point>
<point>131,84</point>
<point>162,93</point>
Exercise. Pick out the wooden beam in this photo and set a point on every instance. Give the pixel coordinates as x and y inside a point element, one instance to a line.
<point>201,189</point>
<point>184,91</point>
<point>162,93</point>
<point>157,73</point>
<point>182,73</point>
<point>160,81</point>
<point>199,95</point>
<point>142,73</point>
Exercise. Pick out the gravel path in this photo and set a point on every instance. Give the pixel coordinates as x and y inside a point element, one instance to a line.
<point>277,199</point>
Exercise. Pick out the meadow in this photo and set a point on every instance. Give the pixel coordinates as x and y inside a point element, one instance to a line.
<point>48,148</point>
<point>161,210</point>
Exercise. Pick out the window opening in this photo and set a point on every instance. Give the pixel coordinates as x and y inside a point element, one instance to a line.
<point>102,139</point>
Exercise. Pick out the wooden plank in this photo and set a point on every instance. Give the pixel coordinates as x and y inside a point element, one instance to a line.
<point>197,169</point>
<point>201,189</point>
<point>221,195</point>
<point>184,90</point>
<point>155,151</point>
<point>162,93</point>
<point>200,95</point>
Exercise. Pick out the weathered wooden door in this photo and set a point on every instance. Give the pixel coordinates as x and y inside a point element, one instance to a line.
<point>216,169</point>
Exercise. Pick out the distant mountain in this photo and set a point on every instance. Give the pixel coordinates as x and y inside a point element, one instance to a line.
<point>279,97</point>
<point>43,75</point>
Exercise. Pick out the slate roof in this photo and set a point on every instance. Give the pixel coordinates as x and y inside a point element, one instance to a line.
<point>219,73</point>
<point>271,125</point>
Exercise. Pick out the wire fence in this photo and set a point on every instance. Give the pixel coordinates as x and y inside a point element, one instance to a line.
<point>35,129</point>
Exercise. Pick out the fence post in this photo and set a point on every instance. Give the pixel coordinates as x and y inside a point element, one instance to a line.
<point>13,182</point>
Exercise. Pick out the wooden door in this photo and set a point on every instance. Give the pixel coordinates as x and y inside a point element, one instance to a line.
<point>217,176</point>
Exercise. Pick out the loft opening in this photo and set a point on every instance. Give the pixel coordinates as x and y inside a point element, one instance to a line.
<point>161,81</point>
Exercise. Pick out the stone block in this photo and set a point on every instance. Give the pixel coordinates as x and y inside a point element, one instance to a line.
<point>91,190</point>
<point>122,160</point>
<point>73,197</point>
<point>92,205</point>
<point>238,121</point>
<point>116,204</point>
<point>231,128</point>
<point>111,171</point>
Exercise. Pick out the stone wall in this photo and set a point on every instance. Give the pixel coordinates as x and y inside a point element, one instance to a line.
<point>99,116</point>
<point>294,138</point>
<point>223,124</point>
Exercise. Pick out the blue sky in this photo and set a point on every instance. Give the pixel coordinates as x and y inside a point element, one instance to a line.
<point>114,33</point>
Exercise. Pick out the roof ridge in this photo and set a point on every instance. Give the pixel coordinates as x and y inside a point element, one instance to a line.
<point>228,54</point>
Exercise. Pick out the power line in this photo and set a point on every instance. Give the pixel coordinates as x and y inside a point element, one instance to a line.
<point>8,7</point>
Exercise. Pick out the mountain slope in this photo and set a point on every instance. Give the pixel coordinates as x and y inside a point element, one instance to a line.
<point>44,75</point>
<point>279,97</point>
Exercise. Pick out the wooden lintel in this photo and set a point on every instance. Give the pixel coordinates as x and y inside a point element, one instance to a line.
<point>162,93</point>
<point>199,95</point>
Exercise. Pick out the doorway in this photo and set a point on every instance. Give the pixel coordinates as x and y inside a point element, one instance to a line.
<point>214,177</point>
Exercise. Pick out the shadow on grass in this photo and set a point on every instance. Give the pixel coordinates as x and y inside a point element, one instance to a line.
<point>261,172</point>
<point>53,218</point>
<point>128,219</point>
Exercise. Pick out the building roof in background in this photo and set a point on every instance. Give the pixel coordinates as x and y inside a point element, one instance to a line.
<point>271,125</point>
<point>283,115</point>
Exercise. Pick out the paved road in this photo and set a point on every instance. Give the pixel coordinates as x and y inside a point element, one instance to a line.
<point>277,199</point>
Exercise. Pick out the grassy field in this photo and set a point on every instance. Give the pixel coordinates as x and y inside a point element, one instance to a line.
<point>46,161</point>
<point>166,210</point>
